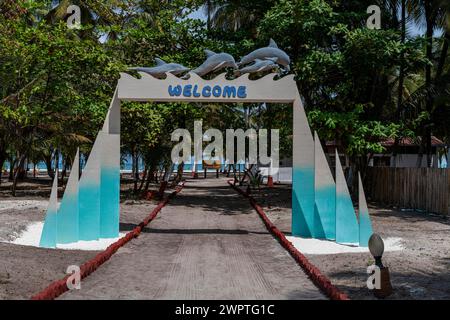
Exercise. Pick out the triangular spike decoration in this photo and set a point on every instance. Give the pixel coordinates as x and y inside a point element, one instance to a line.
<point>302,174</point>
<point>49,232</point>
<point>89,194</point>
<point>325,195</point>
<point>273,44</point>
<point>365,225</point>
<point>319,230</point>
<point>347,228</point>
<point>112,121</point>
<point>99,187</point>
<point>110,173</point>
<point>68,210</point>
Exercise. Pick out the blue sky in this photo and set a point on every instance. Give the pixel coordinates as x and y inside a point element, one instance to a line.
<point>198,14</point>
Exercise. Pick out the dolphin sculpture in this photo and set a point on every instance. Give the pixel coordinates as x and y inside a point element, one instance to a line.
<point>258,66</point>
<point>215,62</point>
<point>162,68</point>
<point>270,52</point>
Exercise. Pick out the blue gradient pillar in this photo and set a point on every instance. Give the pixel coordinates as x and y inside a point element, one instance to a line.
<point>49,232</point>
<point>347,228</point>
<point>68,210</point>
<point>365,225</point>
<point>110,187</point>
<point>89,194</point>
<point>110,173</point>
<point>303,174</point>
<point>325,196</point>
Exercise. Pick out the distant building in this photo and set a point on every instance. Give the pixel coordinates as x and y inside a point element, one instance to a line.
<point>407,154</point>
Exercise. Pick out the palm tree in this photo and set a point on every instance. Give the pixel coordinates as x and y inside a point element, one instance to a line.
<point>430,13</point>
<point>401,78</point>
<point>208,9</point>
<point>433,12</point>
<point>233,15</point>
<point>445,5</point>
<point>402,66</point>
<point>93,12</point>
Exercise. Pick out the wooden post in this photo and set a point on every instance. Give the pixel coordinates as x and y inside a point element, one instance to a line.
<point>162,188</point>
<point>270,182</point>
<point>448,191</point>
<point>194,171</point>
<point>386,287</point>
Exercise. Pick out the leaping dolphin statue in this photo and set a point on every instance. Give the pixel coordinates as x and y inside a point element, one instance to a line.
<point>162,68</point>
<point>258,66</point>
<point>215,62</point>
<point>270,52</point>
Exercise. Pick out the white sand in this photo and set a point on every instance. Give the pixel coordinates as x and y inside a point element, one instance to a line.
<point>315,246</point>
<point>22,204</point>
<point>32,235</point>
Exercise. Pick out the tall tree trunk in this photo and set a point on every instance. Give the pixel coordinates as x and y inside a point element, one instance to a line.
<point>63,172</point>
<point>401,78</point>
<point>144,177</point>
<point>152,176</point>
<point>12,164</point>
<point>443,56</point>
<point>57,161</point>
<point>2,162</point>
<point>3,157</point>
<point>17,173</point>
<point>135,171</point>
<point>133,167</point>
<point>428,80</point>
<point>23,170</point>
<point>420,155</point>
<point>208,18</point>
<point>167,172</point>
<point>147,182</point>
<point>154,173</point>
<point>179,175</point>
<point>48,164</point>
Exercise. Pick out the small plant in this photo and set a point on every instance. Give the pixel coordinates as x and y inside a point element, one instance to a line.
<point>255,179</point>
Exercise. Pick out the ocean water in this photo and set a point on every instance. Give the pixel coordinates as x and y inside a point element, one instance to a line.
<point>126,164</point>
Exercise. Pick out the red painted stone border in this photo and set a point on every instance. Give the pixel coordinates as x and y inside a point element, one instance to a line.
<point>58,287</point>
<point>320,280</point>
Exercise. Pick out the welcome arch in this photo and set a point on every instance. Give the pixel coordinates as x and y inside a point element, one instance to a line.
<point>321,207</point>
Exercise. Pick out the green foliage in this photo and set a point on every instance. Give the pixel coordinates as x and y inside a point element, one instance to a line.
<point>346,72</point>
<point>54,86</point>
<point>357,135</point>
<point>56,83</point>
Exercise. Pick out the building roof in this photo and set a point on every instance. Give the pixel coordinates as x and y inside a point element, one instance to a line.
<point>412,142</point>
<point>404,142</point>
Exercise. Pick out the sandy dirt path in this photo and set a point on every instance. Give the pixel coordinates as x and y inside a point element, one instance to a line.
<point>24,271</point>
<point>421,271</point>
<point>208,243</point>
